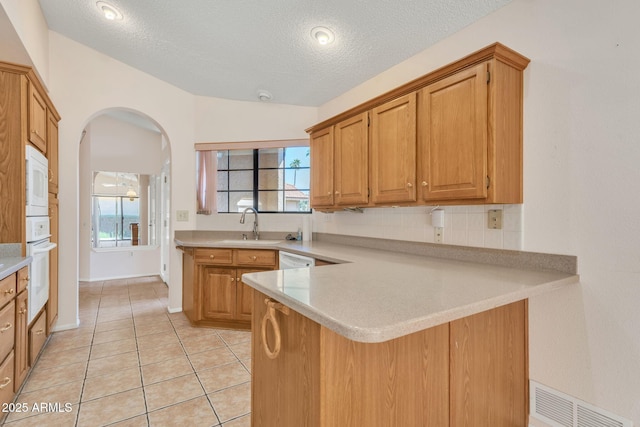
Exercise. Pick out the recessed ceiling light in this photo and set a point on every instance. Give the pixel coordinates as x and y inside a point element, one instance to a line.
<point>264,96</point>
<point>322,35</point>
<point>109,11</point>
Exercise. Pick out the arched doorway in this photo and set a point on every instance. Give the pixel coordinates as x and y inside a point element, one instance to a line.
<point>124,199</point>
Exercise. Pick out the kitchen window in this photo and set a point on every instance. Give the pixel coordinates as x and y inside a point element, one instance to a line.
<point>271,179</point>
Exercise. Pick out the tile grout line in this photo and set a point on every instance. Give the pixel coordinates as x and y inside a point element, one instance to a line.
<point>86,370</point>
<point>106,310</point>
<point>196,372</point>
<point>135,335</point>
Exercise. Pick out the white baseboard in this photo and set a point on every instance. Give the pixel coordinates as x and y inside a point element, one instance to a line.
<point>102,279</point>
<point>58,327</point>
<point>174,309</point>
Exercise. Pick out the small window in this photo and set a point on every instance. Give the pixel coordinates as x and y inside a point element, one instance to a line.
<point>123,210</point>
<point>267,179</point>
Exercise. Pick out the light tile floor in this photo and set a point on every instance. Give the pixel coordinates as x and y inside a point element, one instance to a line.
<point>130,363</point>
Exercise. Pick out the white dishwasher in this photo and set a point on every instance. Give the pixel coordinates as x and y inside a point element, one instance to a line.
<point>289,260</point>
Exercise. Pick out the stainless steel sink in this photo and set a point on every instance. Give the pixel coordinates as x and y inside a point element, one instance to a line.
<point>248,242</point>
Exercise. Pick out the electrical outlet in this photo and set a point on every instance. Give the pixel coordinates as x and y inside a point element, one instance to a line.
<point>182,215</point>
<point>438,234</point>
<point>495,219</point>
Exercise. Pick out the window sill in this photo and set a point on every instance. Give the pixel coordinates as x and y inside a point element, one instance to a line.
<point>126,249</point>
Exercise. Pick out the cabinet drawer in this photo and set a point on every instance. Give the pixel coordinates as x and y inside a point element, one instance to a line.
<point>23,279</point>
<point>6,380</point>
<point>7,289</point>
<point>7,329</point>
<point>37,336</point>
<point>214,256</point>
<point>254,257</point>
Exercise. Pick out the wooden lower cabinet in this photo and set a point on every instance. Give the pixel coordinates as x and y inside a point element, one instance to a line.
<point>213,292</point>
<point>218,292</point>
<point>21,341</point>
<point>6,381</point>
<point>14,364</point>
<point>37,336</point>
<point>470,372</point>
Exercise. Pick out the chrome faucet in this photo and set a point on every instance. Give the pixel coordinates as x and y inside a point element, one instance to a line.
<point>256,233</point>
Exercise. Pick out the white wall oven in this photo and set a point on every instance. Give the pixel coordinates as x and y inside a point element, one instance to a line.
<point>38,230</point>
<point>37,182</point>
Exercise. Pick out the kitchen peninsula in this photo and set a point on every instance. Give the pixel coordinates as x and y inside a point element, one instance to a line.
<point>400,337</point>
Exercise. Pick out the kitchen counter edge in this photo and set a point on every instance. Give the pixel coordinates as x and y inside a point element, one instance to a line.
<point>12,264</point>
<point>527,283</point>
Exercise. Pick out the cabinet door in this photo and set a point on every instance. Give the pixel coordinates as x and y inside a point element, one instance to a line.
<point>488,368</point>
<point>37,119</point>
<point>52,304</point>
<point>244,295</point>
<point>292,376</point>
<point>393,151</point>
<point>453,137</point>
<point>218,291</point>
<point>351,161</point>
<point>21,342</point>
<point>321,151</point>
<point>52,152</point>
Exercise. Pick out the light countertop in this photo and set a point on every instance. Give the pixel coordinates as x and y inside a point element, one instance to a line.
<point>9,265</point>
<point>374,295</point>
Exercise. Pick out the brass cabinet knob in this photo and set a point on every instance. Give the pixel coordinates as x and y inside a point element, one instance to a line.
<point>337,193</point>
<point>424,183</point>
<point>9,291</point>
<point>212,256</point>
<point>409,184</point>
<point>254,257</point>
<point>233,278</point>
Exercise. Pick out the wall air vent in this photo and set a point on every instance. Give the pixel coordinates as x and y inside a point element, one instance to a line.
<point>561,410</point>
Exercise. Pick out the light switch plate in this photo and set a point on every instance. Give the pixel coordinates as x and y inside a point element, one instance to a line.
<point>495,219</point>
<point>182,215</point>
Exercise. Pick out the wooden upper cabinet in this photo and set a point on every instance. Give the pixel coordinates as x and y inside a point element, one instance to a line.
<point>321,150</point>
<point>393,151</point>
<point>37,119</point>
<point>351,172</point>
<point>453,136</point>
<point>52,151</point>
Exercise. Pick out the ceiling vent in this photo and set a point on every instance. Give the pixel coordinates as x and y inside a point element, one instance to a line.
<point>561,410</point>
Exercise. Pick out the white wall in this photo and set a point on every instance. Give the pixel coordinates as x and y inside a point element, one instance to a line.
<point>119,146</point>
<point>85,82</point>
<point>581,181</point>
<point>29,24</point>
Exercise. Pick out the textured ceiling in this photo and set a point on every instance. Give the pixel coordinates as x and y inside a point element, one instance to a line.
<point>234,48</point>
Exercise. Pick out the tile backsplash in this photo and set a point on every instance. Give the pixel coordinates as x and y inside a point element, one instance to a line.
<point>463,225</point>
